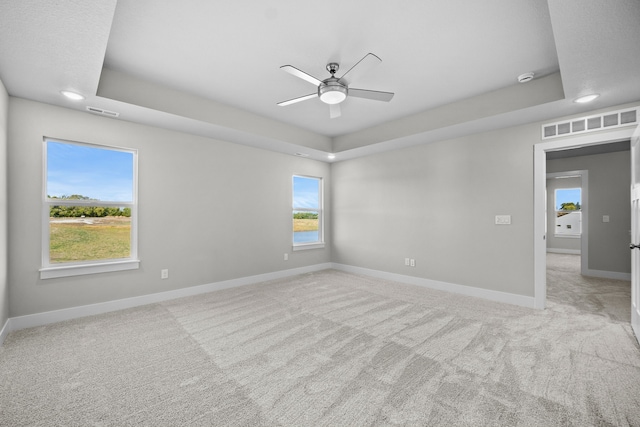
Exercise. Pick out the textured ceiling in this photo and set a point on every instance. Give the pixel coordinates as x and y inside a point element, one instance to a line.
<point>213,68</point>
<point>231,53</point>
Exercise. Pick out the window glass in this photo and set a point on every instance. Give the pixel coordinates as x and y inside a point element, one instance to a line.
<point>307,210</point>
<point>95,173</point>
<point>568,211</point>
<point>89,211</point>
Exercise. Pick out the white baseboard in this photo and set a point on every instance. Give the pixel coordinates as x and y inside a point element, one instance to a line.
<point>564,251</point>
<point>6,328</point>
<point>40,319</point>
<point>602,274</point>
<point>471,291</point>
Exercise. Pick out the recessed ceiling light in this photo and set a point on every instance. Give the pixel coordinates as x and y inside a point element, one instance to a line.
<point>331,156</point>
<point>586,98</point>
<point>72,95</point>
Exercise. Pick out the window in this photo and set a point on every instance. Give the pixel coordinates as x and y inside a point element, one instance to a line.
<point>90,210</point>
<point>307,213</point>
<point>568,212</point>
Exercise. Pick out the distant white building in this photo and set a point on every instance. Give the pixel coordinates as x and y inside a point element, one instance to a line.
<point>569,223</point>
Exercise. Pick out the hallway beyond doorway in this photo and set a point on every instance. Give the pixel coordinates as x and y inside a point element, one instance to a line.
<point>609,298</point>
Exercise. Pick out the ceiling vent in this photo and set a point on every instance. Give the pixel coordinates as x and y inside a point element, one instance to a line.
<point>610,120</point>
<point>96,110</point>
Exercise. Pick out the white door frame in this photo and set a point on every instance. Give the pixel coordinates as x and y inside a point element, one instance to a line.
<point>635,233</point>
<point>584,203</point>
<point>540,199</point>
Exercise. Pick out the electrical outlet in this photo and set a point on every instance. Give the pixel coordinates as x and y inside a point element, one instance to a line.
<point>413,262</point>
<point>286,257</point>
<point>406,262</point>
<point>164,274</point>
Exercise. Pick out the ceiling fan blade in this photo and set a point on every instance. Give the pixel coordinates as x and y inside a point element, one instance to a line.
<point>298,99</point>
<point>301,74</point>
<point>371,94</point>
<point>364,65</point>
<point>334,111</point>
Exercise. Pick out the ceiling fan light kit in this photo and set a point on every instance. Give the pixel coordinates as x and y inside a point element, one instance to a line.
<point>332,92</point>
<point>335,90</point>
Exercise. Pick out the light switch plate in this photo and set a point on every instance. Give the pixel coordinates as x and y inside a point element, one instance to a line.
<point>605,218</point>
<point>503,219</point>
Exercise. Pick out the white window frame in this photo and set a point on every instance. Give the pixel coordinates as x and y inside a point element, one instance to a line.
<point>573,234</point>
<point>320,243</point>
<point>76,268</point>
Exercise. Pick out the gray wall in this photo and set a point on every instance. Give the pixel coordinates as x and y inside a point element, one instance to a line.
<point>208,210</point>
<point>212,210</point>
<point>437,203</point>
<point>4,287</point>
<point>553,242</point>
<point>609,181</point>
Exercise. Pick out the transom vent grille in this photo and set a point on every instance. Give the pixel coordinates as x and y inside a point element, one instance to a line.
<point>96,110</point>
<point>610,120</point>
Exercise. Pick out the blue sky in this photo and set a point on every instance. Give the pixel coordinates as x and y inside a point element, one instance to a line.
<point>98,173</point>
<point>566,195</point>
<point>305,192</point>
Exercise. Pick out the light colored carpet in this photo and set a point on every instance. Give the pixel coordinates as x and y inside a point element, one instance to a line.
<point>324,349</point>
<point>604,297</point>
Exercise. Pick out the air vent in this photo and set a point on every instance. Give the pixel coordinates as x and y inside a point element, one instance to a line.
<point>594,123</point>
<point>577,126</point>
<point>96,110</point>
<point>614,119</point>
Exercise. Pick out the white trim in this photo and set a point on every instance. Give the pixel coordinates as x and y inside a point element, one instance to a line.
<point>563,251</point>
<point>540,199</point>
<point>539,227</point>
<point>571,123</point>
<point>583,174</point>
<point>39,319</point>
<point>305,246</point>
<point>319,244</point>
<point>471,291</point>
<point>567,236</point>
<point>81,269</point>
<point>50,270</point>
<point>607,274</point>
<point>5,331</point>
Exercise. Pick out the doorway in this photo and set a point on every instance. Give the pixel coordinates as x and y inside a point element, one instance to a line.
<point>568,229</point>
<point>540,199</point>
<point>572,285</point>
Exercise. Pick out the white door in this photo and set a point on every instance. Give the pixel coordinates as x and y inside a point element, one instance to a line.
<point>635,232</point>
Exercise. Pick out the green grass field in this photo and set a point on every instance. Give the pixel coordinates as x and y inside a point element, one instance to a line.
<point>106,238</point>
<point>71,239</point>
<point>305,224</point>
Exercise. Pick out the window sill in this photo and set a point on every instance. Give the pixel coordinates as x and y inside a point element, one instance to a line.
<point>308,246</point>
<point>567,236</point>
<point>81,269</point>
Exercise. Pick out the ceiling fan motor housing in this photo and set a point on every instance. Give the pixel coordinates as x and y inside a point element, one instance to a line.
<point>334,90</point>
<point>331,91</point>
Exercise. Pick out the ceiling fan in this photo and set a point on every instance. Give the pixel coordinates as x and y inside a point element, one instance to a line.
<point>334,90</point>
